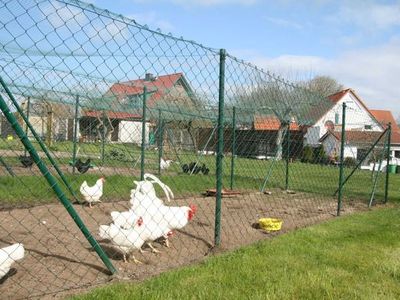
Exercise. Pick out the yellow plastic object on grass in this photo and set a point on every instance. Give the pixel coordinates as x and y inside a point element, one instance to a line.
<point>270,224</point>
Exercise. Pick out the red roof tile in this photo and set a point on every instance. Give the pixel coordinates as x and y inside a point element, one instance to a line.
<point>357,137</point>
<point>335,98</point>
<point>110,114</point>
<point>159,86</point>
<point>384,117</point>
<point>270,123</point>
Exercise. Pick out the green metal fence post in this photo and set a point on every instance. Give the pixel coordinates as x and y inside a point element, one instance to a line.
<point>220,149</point>
<point>341,170</point>
<point>233,146</point>
<point>28,111</point>
<point>37,138</point>
<point>54,185</point>
<point>160,140</point>
<point>143,145</point>
<point>287,157</point>
<point>76,120</point>
<point>389,141</point>
<point>375,180</point>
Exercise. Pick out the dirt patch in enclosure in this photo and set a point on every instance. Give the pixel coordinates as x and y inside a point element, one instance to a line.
<point>59,260</point>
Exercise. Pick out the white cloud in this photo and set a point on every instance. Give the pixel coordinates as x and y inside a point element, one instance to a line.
<point>112,30</point>
<point>152,19</point>
<point>373,72</point>
<point>60,15</point>
<point>285,23</point>
<point>367,15</point>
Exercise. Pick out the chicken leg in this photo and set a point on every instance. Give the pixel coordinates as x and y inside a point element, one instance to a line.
<point>136,261</point>
<point>166,243</point>
<point>154,250</point>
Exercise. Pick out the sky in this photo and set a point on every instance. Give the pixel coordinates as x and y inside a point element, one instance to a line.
<point>357,42</point>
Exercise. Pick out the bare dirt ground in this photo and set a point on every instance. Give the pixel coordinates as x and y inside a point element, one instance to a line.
<point>58,259</point>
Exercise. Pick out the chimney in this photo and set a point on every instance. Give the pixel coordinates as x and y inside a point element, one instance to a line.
<point>149,77</point>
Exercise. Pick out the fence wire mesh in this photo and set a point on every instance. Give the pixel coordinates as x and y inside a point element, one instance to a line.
<point>126,119</point>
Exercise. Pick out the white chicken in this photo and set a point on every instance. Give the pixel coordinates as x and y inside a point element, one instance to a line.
<point>143,204</point>
<point>159,220</point>
<point>8,255</point>
<point>146,186</point>
<point>152,230</point>
<point>92,194</point>
<point>174,217</point>
<point>144,199</point>
<point>177,217</point>
<point>125,240</point>
<point>165,164</point>
<point>125,219</point>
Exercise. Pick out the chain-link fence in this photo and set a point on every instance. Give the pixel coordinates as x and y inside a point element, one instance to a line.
<point>155,142</point>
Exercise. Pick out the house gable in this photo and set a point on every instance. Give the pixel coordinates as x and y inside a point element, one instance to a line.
<point>126,97</point>
<point>358,117</point>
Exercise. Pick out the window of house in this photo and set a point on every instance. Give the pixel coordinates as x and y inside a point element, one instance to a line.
<point>336,118</point>
<point>397,154</point>
<point>367,127</point>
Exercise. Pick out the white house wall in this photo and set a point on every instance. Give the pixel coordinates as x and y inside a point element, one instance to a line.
<point>357,118</point>
<point>350,151</point>
<point>131,132</point>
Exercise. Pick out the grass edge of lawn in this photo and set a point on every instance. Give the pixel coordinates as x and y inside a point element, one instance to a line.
<point>309,271</point>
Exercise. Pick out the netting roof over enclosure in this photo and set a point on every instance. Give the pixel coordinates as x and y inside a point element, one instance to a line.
<point>77,50</point>
<point>90,99</point>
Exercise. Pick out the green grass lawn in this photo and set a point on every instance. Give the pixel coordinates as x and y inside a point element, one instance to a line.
<point>353,257</point>
<point>249,175</point>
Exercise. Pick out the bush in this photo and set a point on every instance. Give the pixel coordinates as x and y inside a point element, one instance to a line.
<point>116,155</point>
<point>349,162</point>
<point>320,155</point>
<point>308,154</point>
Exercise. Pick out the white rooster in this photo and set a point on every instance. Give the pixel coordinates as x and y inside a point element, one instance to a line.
<point>144,199</point>
<point>175,217</point>
<point>92,194</point>
<point>160,219</point>
<point>146,187</point>
<point>125,240</point>
<point>8,255</point>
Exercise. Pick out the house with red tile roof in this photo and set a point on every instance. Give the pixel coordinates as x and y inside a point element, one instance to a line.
<point>356,143</point>
<point>328,123</point>
<point>359,140</point>
<point>358,117</point>
<point>124,105</point>
<point>385,117</point>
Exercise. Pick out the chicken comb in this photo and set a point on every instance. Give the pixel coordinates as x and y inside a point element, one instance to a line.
<point>193,208</point>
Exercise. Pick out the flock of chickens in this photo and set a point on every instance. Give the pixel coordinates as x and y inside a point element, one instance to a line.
<point>147,220</point>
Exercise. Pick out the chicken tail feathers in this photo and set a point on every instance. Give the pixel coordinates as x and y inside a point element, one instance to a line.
<point>83,187</point>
